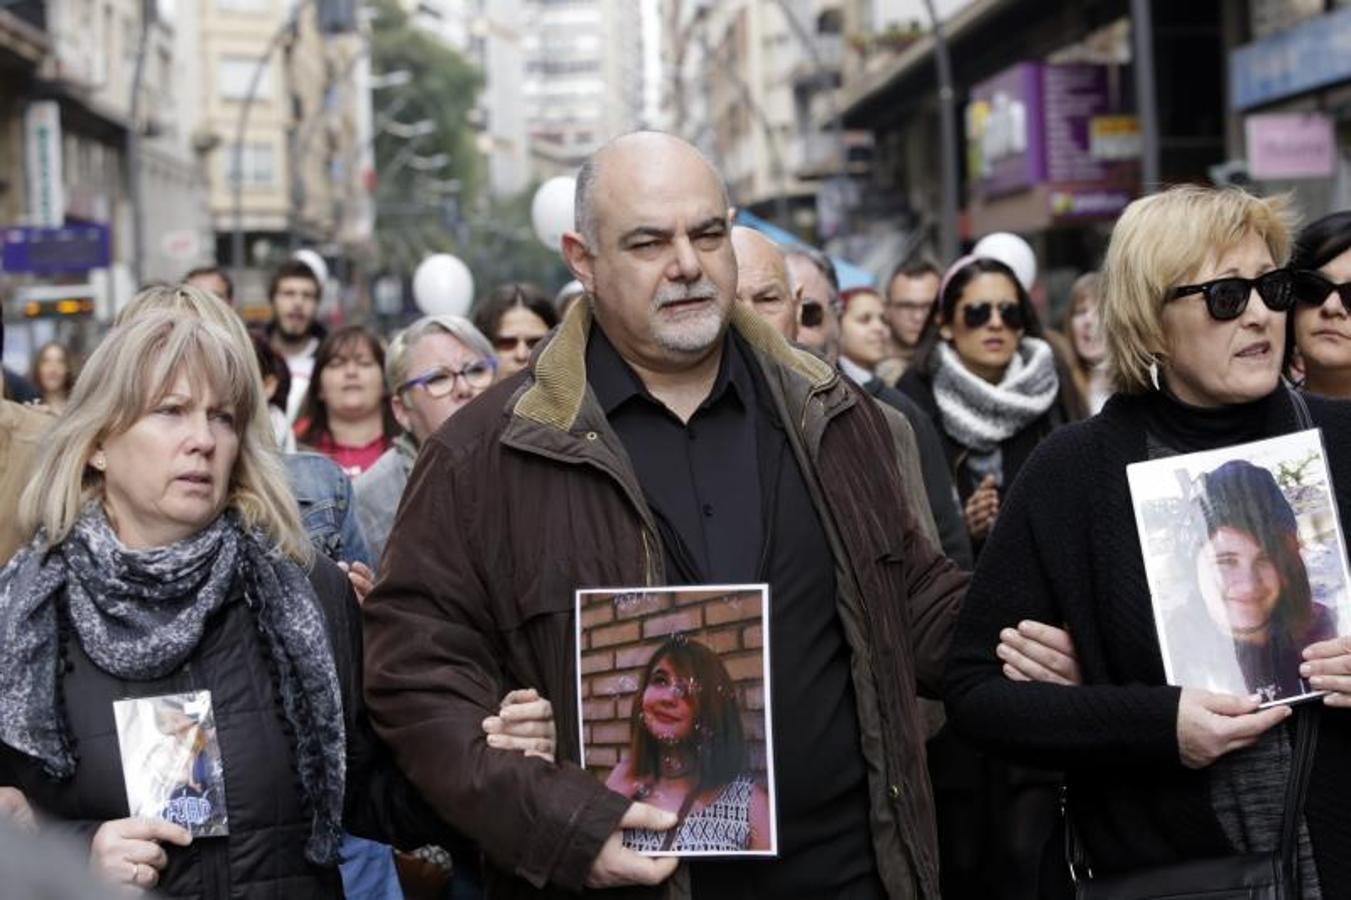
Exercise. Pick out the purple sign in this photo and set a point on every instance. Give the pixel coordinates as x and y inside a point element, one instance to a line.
<point>1073,96</point>
<point>1055,125</point>
<point>54,251</point>
<point>1004,129</point>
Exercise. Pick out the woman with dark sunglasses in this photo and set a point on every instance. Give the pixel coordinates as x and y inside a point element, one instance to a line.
<point>1194,308</point>
<point>1320,329</point>
<point>515,317</point>
<point>989,381</point>
<point>995,389</point>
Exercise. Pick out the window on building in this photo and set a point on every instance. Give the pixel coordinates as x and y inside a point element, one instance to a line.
<point>258,162</point>
<point>234,75</point>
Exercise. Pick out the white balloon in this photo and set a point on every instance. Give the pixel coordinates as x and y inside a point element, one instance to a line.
<point>315,262</point>
<point>1013,252</point>
<point>443,285</point>
<point>551,212</point>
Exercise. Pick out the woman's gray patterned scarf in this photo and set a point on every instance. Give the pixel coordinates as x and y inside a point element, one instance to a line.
<point>981,416</point>
<point>140,615</point>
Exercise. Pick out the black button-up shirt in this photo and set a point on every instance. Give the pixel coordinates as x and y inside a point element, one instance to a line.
<point>732,507</point>
<point>699,477</point>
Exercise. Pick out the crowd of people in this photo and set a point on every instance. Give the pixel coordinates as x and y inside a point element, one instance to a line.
<point>366,550</point>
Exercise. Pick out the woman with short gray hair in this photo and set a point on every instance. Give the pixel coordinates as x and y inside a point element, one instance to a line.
<point>433,368</point>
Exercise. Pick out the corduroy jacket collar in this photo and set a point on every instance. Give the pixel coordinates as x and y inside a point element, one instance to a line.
<point>556,395</point>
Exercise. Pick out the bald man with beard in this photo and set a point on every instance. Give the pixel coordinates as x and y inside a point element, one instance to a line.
<point>664,434</point>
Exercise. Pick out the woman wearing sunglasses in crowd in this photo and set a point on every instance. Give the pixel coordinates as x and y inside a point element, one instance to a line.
<point>1320,327</point>
<point>993,386</point>
<point>1194,306</point>
<point>434,367</point>
<point>515,317</point>
<point>990,382</point>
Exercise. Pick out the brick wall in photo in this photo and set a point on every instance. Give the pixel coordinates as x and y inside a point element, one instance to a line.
<point>619,635</point>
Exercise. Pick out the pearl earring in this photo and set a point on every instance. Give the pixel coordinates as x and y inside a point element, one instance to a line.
<point>99,461</point>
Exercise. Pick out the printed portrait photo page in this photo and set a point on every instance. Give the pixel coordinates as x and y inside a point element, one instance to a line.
<point>1246,561</point>
<point>171,761</point>
<point>673,695</point>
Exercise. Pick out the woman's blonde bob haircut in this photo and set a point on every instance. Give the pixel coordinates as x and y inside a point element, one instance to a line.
<point>1160,242</point>
<point>134,367</point>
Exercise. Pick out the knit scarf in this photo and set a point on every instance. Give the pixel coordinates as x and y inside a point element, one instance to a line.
<point>980,415</point>
<point>140,614</point>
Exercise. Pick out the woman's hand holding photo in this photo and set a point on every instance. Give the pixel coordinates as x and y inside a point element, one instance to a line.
<point>1209,725</point>
<point>1327,666</point>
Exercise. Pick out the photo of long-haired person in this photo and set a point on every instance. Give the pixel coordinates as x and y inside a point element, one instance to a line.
<point>688,756</point>
<point>1252,612</point>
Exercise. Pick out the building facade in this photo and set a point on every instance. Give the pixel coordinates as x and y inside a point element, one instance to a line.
<point>584,78</point>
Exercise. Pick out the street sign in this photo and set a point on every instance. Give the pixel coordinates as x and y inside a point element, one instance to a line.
<point>42,156</point>
<point>54,251</point>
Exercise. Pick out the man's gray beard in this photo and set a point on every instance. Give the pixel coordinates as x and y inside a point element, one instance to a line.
<point>690,335</point>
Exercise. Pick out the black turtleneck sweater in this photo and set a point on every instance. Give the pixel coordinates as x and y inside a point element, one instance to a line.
<point>1066,550</point>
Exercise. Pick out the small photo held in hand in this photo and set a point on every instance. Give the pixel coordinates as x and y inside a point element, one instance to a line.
<point>673,699</point>
<point>1246,561</point>
<point>171,761</point>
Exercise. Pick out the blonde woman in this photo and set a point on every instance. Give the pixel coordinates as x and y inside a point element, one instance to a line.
<point>167,555</point>
<point>1195,302</point>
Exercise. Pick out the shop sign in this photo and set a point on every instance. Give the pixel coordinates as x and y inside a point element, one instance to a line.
<point>42,157</point>
<point>1088,202</point>
<point>1290,145</point>
<point>1004,131</point>
<point>54,251</point>
<point>1311,55</point>
<point>1058,126</point>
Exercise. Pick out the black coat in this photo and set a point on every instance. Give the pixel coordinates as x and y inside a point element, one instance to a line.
<point>263,856</point>
<point>1066,550</point>
<point>933,463</point>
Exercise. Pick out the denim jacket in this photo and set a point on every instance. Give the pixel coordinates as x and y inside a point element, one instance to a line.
<point>326,507</point>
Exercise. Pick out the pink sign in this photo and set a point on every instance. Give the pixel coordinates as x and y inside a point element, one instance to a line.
<point>1290,145</point>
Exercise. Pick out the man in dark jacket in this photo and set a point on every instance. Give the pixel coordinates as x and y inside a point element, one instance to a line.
<point>650,443</point>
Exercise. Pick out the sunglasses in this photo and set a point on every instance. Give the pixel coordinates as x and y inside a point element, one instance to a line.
<point>1313,289</point>
<point>813,314</point>
<point>441,381</point>
<point>977,314</point>
<point>507,343</point>
<point>1227,298</point>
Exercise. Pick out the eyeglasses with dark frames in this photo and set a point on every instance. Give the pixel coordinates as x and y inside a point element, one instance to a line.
<point>507,343</point>
<point>974,315</point>
<point>1227,298</point>
<point>1313,289</point>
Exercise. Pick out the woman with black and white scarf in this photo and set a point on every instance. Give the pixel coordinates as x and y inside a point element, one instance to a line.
<point>167,558</point>
<point>990,382</point>
<point>995,389</point>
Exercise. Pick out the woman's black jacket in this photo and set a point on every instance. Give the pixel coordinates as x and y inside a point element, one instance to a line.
<point>263,856</point>
<point>1065,550</point>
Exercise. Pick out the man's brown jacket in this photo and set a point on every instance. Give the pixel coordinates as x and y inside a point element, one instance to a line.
<point>525,496</point>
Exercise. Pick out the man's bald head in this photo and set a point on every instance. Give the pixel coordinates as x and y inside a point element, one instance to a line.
<point>762,280</point>
<point>652,250</point>
<point>642,148</point>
